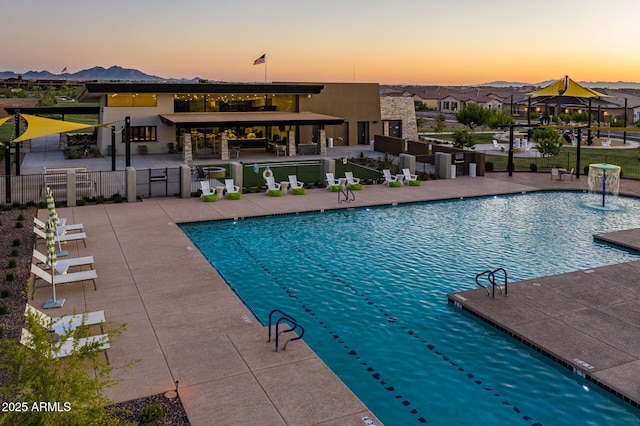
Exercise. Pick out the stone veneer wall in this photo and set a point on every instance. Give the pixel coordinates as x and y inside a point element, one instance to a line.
<point>400,108</point>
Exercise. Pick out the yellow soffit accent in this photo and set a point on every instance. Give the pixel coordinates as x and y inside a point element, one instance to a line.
<point>38,127</point>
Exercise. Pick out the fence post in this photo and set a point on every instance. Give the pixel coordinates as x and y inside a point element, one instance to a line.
<point>71,188</point>
<point>131,184</point>
<point>185,181</point>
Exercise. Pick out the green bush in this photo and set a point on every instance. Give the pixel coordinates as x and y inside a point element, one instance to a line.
<point>533,167</point>
<point>4,309</point>
<point>81,203</point>
<point>488,166</point>
<point>151,413</point>
<point>21,217</point>
<point>12,263</point>
<point>19,224</point>
<point>5,293</point>
<point>100,199</point>
<point>16,242</point>
<point>14,252</point>
<point>9,276</point>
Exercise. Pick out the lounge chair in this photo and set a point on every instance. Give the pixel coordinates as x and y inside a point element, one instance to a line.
<point>350,179</point>
<point>496,145</point>
<point>65,238</point>
<point>70,262</point>
<point>59,279</point>
<point>408,176</point>
<point>60,229</point>
<point>231,187</point>
<point>272,184</point>
<point>61,324</point>
<point>294,183</point>
<point>206,188</point>
<point>332,181</point>
<point>69,346</point>
<point>570,174</point>
<point>388,178</point>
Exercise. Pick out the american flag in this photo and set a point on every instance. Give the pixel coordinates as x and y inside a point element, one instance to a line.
<point>261,60</point>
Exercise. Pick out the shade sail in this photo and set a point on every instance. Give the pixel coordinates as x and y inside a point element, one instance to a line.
<point>567,88</point>
<point>39,126</point>
<point>3,120</point>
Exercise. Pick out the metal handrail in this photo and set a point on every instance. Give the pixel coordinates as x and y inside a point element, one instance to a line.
<point>293,324</point>
<point>491,276</point>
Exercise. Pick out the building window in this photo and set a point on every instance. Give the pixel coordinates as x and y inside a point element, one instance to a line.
<point>143,134</point>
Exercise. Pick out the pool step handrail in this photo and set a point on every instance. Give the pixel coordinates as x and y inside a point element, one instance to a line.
<point>491,277</point>
<point>346,191</point>
<point>290,321</point>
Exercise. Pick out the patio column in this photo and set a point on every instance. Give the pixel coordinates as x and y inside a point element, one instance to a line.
<point>187,154</point>
<point>291,143</point>
<point>224,147</point>
<point>323,142</point>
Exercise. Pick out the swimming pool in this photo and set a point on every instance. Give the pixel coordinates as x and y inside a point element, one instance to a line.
<point>370,286</point>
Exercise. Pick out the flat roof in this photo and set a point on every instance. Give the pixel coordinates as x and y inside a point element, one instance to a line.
<point>265,118</point>
<point>94,90</point>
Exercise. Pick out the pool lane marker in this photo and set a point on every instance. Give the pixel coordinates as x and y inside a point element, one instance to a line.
<point>391,319</point>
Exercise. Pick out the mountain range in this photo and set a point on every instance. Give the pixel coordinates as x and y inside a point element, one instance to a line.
<point>116,73</point>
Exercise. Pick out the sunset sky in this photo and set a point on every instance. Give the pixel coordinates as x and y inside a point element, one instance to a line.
<point>403,41</point>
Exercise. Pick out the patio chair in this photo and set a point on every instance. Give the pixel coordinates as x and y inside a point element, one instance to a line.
<point>230,187</point>
<point>70,262</point>
<point>408,176</point>
<point>294,183</point>
<point>570,173</point>
<point>388,178</point>
<point>69,346</point>
<point>60,229</point>
<point>496,145</point>
<point>272,184</point>
<point>65,238</point>
<point>350,179</point>
<point>61,324</point>
<point>60,279</point>
<point>206,188</point>
<point>332,181</point>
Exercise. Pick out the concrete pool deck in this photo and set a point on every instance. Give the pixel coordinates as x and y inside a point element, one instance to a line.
<point>184,323</point>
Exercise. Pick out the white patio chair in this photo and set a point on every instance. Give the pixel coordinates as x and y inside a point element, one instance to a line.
<point>272,184</point>
<point>60,229</point>
<point>350,179</point>
<point>387,177</point>
<point>231,187</point>
<point>60,279</point>
<point>408,176</point>
<point>78,236</point>
<point>69,261</point>
<point>294,183</point>
<point>69,346</point>
<point>206,188</point>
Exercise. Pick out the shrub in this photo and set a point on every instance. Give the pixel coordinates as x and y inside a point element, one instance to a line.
<point>19,224</point>
<point>100,199</point>
<point>16,242</point>
<point>14,252</point>
<point>81,203</point>
<point>151,413</point>
<point>21,217</point>
<point>488,166</point>
<point>12,263</point>
<point>533,167</point>
<point>5,293</point>
<point>9,276</point>
<point>118,198</point>
<point>4,309</point>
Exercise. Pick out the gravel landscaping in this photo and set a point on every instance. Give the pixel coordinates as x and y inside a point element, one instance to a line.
<point>16,245</point>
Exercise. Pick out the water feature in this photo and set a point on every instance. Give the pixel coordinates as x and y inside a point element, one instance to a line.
<point>604,178</point>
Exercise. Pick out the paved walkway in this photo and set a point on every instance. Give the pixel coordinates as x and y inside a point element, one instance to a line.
<point>185,324</point>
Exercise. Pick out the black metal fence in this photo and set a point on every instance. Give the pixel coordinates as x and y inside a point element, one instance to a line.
<point>161,182</point>
<point>31,188</point>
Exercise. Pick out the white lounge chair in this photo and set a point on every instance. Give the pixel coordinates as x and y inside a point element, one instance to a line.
<point>496,145</point>
<point>332,181</point>
<point>206,188</point>
<point>69,261</point>
<point>60,229</point>
<point>61,324</point>
<point>272,184</point>
<point>230,187</point>
<point>60,279</point>
<point>387,177</point>
<point>408,176</point>
<point>570,174</point>
<point>69,346</point>
<point>350,179</point>
<point>294,183</point>
<point>78,236</point>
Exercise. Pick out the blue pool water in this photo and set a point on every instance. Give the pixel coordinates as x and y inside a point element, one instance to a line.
<point>370,286</point>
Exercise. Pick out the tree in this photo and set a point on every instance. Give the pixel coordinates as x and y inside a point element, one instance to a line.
<point>439,123</point>
<point>473,115</point>
<point>463,139</point>
<point>71,387</point>
<point>548,142</point>
<point>500,118</point>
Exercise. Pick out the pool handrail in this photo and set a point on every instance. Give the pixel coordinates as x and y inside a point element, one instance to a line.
<point>491,276</point>
<point>291,322</point>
